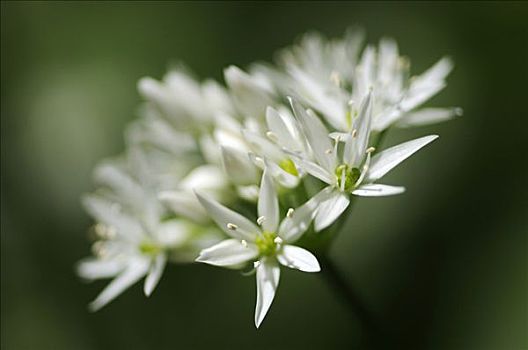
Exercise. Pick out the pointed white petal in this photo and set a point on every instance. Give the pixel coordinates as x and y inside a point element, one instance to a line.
<point>355,146</point>
<point>204,177</point>
<point>92,269</point>
<point>268,204</point>
<point>268,274</point>
<point>377,190</point>
<point>283,177</point>
<point>238,167</point>
<point>263,146</point>
<point>330,209</point>
<point>229,252</point>
<point>224,217</point>
<point>313,169</point>
<point>283,128</point>
<point>428,116</point>
<point>185,204</point>
<point>111,214</point>
<point>298,258</point>
<point>316,134</point>
<point>154,275</point>
<point>386,160</point>
<point>427,84</point>
<point>293,227</point>
<point>136,269</point>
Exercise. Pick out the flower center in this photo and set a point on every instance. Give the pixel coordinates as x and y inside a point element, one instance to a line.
<point>149,248</point>
<point>288,166</point>
<point>348,175</point>
<point>266,243</point>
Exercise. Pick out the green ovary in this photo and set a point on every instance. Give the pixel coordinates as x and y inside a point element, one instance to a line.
<point>351,176</point>
<point>266,243</point>
<point>288,166</point>
<point>149,248</point>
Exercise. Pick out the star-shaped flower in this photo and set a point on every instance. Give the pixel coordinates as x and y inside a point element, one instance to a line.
<point>268,244</point>
<point>351,171</point>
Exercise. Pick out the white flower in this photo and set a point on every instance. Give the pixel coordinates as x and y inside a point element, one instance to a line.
<point>268,246</point>
<point>182,201</point>
<point>126,250</point>
<point>133,238</point>
<point>187,104</point>
<point>354,172</point>
<point>324,75</point>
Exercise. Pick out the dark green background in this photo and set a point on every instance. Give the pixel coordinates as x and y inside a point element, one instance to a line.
<point>444,266</point>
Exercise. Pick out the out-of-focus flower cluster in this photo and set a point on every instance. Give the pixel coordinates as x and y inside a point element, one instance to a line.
<point>238,175</point>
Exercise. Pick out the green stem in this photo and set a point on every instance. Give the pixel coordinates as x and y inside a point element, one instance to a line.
<point>372,336</point>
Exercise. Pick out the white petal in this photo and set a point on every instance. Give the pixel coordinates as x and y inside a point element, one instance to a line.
<point>262,146</point>
<point>136,269</point>
<point>92,269</point>
<point>298,258</point>
<point>377,190</point>
<point>427,84</point>
<point>330,209</point>
<point>355,146</point>
<point>293,227</point>
<point>238,167</point>
<point>268,204</point>
<point>317,136</point>
<point>282,128</point>
<point>204,177</point>
<point>154,275</point>
<point>184,203</point>
<point>244,229</point>
<point>386,160</point>
<point>229,252</point>
<point>283,177</point>
<point>313,169</point>
<point>268,274</point>
<point>111,214</point>
<point>427,116</point>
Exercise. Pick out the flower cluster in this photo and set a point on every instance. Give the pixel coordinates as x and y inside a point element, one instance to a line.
<point>294,141</point>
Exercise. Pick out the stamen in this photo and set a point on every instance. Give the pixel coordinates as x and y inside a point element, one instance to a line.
<point>354,133</point>
<point>365,169</point>
<point>370,150</point>
<point>343,179</point>
<point>335,78</point>
<point>290,212</point>
<point>261,220</point>
<point>256,264</point>
<point>271,135</point>
<point>278,240</point>
<point>244,243</point>
<point>231,226</point>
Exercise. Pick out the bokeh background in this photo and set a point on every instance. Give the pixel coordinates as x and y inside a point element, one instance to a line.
<point>443,266</point>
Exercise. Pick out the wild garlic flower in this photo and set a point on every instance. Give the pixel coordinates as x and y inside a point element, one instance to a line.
<point>267,245</point>
<point>324,75</point>
<point>248,145</point>
<point>352,171</point>
<point>134,238</point>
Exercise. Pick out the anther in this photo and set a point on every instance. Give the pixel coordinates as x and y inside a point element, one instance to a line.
<point>244,243</point>
<point>329,151</point>
<point>256,264</point>
<point>278,240</point>
<point>370,150</point>
<point>290,212</point>
<point>335,78</point>
<point>271,135</point>
<point>231,226</point>
<point>260,220</point>
<point>354,133</point>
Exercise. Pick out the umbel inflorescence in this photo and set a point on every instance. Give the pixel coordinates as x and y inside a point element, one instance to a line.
<point>289,145</point>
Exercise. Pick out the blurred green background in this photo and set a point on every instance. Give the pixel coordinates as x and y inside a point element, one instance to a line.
<point>444,266</point>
